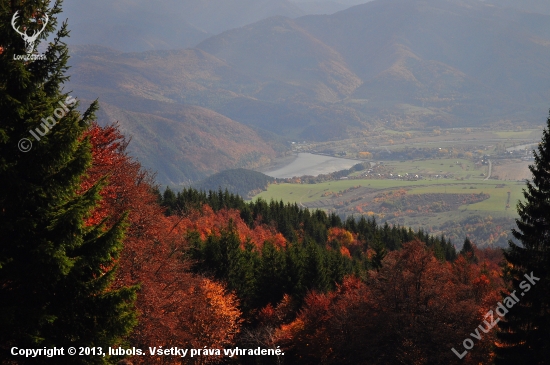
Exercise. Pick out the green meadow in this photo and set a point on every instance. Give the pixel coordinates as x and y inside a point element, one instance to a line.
<point>498,191</point>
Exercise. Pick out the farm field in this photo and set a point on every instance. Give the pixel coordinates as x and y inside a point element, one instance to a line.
<point>498,191</point>
<point>426,204</point>
<point>311,192</point>
<point>529,133</point>
<point>512,170</point>
<point>495,204</point>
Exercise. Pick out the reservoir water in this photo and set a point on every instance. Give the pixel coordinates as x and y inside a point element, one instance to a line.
<point>310,164</point>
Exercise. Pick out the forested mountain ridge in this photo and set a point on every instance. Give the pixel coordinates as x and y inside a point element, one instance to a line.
<point>198,78</point>
<point>188,143</point>
<point>243,182</point>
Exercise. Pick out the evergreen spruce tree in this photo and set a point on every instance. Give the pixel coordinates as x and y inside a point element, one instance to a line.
<point>524,335</point>
<point>271,275</point>
<point>316,274</point>
<point>450,251</point>
<point>468,251</point>
<point>56,272</point>
<point>379,254</point>
<point>169,201</point>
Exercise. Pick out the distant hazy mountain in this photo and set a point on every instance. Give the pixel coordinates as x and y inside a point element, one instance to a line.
<point>531,6</point>
<point>322,77</point>
<point>130,26</point>
<point>326,6</point>
<point>450,61</point>
<point>466,59</point>
<point>183,143</point>
<point>216,16</point>
<point>140,25</point>
<point>277,48</point>
<point>290,109</point>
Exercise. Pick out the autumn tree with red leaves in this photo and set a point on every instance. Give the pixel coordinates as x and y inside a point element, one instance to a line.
<point>176,308</point>
<point>413,310</point>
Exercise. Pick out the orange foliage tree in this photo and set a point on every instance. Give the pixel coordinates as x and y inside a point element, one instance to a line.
<point>413,310</point>
<point>175,307</point>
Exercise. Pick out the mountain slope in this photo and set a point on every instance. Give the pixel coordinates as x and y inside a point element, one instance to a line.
<point>279,49</point>
<point>177,76</point>
<point>479,50</point>
<point>458,61</point>
<point>195,77</point>
<point>186,143</point>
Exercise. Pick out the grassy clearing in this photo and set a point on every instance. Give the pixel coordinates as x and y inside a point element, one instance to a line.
<point>311,192</point>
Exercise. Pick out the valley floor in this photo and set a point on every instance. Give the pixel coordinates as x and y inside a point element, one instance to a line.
<point>468,187</point>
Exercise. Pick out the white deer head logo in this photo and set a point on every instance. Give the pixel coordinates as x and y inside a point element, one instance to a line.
<point>29,40</point>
